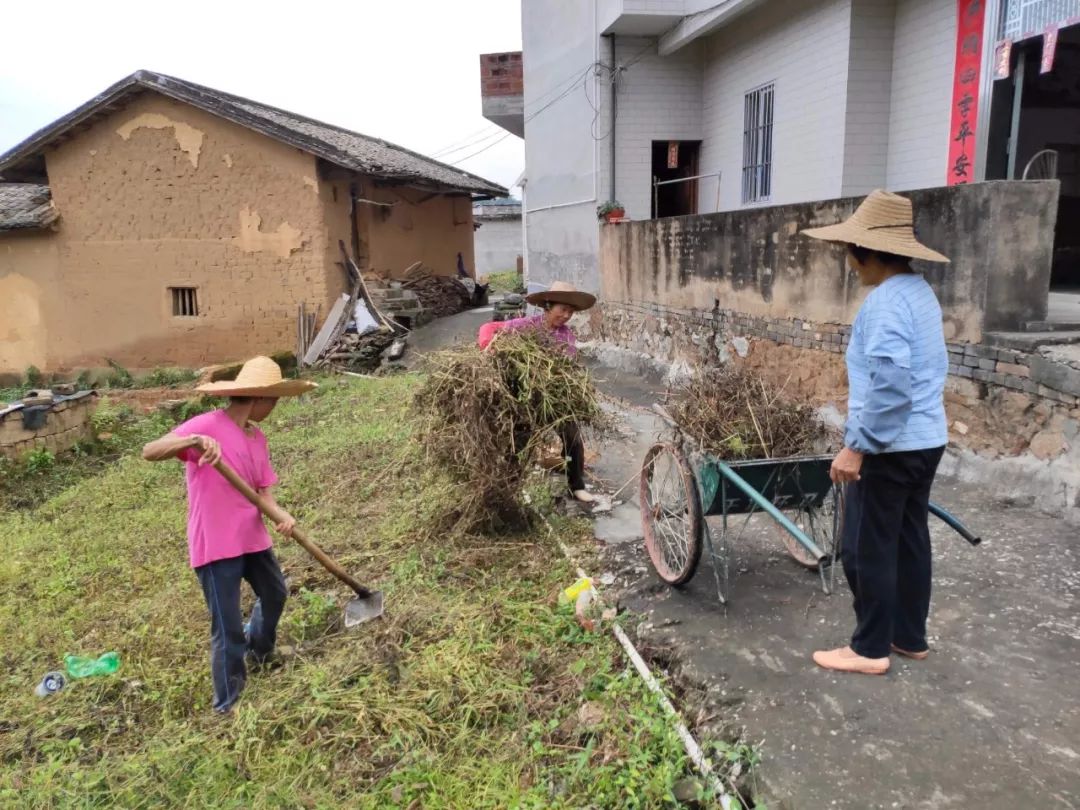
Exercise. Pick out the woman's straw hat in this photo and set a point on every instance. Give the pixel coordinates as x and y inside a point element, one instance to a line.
<point>883,221</point>
<point>562,293</point>
<point>258,377</point>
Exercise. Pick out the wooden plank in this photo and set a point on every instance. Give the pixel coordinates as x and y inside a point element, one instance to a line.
<point>329,328</point>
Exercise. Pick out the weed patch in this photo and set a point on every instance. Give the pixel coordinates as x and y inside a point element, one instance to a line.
<point>476,690</point>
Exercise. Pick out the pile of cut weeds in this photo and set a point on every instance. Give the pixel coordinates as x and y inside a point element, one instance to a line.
<point>484,417</point>
<point>467,694</point>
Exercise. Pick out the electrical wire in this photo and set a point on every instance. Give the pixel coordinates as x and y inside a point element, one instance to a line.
<point>481,151</point>
<point>580,76</point>
<point>479,135</point>
<point>447,152</point>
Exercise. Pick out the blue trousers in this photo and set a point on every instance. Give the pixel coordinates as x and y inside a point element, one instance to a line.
<point>229,644</point>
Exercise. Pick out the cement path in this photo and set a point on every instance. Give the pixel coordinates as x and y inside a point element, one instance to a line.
<point>990,720</point>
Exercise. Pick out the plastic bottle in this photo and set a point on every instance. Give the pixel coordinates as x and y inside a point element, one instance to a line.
<point>52,683</point>
<point>80,666</point>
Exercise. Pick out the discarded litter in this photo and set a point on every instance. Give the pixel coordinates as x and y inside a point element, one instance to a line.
<point>81,666</point>
<point>52,683</point>
<point>571,594</point>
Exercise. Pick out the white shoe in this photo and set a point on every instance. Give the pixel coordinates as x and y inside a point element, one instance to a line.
<point>583,496</point>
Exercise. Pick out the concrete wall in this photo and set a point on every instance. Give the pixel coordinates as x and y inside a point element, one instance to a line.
<point>802,47</point>
<point>923,56</point>
<point>755,262</point>
<point>158,195</point>
<point>498,245</point>
<point>560,47</point>
<point>660,99</point>
<point>869,86</point>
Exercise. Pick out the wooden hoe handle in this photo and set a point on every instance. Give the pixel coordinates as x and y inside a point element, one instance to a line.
<point>276,515</point>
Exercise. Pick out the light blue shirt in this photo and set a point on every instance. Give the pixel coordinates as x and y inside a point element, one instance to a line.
<point>897,365</point>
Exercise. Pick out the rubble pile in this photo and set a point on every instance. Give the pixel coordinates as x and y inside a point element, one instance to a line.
<point>362,353</point>
<point>439,295</point>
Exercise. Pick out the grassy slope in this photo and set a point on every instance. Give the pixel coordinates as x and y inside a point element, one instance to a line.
<point>464,696</point>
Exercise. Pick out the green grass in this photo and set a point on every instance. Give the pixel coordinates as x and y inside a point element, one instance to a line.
<point>505,281</point>
<point>466,695</point>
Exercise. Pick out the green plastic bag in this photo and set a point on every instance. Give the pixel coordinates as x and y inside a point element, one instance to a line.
<point>81,666</point>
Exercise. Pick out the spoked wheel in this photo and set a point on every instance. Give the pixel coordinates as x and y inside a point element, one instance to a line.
<point>671,518</point>
<point>822,524</point>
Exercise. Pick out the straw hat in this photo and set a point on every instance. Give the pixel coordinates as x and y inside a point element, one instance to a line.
<point>258,377</point>
<point>883,221</point>
<point>562,293</point>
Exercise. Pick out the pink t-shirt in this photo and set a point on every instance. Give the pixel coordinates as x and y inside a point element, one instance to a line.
<point>564,334</point>
<point>221,523</point>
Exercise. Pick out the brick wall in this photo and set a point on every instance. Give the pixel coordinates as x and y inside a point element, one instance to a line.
<point>501,74</point>
<point>1000,401</point>
<point>67,424</point>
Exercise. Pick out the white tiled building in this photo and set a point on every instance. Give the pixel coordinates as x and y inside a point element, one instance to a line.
<point>765,102</point>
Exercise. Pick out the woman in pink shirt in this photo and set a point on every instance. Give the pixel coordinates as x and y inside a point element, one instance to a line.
<point>227,540</point>
<point>559,304</point>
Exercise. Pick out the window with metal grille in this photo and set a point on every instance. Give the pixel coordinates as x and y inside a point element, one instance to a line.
<point>757,144</point>
<point>1024,18</point>
<point>185,303</point>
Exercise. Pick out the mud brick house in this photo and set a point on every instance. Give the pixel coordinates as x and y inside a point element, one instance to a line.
<point>167,223</point>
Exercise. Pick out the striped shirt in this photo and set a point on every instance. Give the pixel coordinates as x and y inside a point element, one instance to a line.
<point>898,328</point>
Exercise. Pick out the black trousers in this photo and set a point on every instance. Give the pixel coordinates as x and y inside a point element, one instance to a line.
<point>573,450</point>
<point>886,550</point>
<point>229,643</point>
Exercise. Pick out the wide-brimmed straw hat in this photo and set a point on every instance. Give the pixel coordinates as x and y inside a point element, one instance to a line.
<point>258,377</point>
<point>883,221</point>
<point>562,293</point>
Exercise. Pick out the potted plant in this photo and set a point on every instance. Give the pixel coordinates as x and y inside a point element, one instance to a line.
<point>611,211</point>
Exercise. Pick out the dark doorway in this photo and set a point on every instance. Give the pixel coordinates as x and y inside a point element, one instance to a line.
<point>674,161</point>
<point>1035,134</point>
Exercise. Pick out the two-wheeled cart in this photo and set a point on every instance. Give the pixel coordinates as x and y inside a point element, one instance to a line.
<point>682,484</point>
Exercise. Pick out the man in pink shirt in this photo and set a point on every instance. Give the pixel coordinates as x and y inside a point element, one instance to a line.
<point>227,540</point>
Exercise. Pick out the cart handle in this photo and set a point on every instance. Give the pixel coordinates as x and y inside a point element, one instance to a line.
<point>772,511</point>
<point>954,523</point>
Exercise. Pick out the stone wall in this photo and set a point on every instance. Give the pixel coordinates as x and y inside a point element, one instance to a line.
<point>67,423</point>
<point>999,236</point>
<point>1005,404</point>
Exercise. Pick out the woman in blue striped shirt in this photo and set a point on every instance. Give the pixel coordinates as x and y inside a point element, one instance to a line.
<point>894,437</point>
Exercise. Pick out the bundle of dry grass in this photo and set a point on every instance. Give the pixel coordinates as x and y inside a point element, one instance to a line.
<point>483,416</point>
<point>737,414</point>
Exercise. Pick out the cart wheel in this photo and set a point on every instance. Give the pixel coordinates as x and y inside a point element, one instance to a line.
<point>671,517</point>
<point>822,524</point>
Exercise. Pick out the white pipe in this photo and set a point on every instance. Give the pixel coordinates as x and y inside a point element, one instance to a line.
<point>693,750</point>
<point>560,205</point>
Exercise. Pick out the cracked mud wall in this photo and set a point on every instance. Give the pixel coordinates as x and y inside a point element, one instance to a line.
<point>28,271</point>
<point>158,195</point>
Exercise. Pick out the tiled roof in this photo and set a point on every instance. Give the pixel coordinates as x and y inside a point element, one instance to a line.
<point>350,150</point>
<point>25,205</point>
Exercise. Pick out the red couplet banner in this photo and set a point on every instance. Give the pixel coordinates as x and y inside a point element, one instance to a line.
<point>965,100</point>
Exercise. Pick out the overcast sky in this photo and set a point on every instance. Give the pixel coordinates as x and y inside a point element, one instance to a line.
<point>407,71</point>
